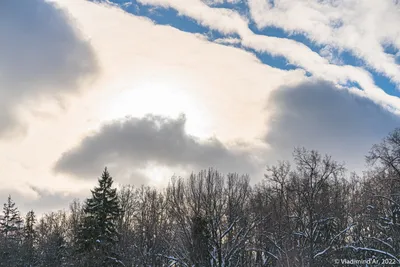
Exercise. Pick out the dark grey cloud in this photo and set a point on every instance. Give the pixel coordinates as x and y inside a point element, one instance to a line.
<point>320,116</point>
<point>42,55</point>
<point>135,142</point>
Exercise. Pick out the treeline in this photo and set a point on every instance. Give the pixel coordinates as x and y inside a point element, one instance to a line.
<point>311,214</point>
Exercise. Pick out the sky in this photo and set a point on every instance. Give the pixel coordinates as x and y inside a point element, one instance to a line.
<point>155,88</point>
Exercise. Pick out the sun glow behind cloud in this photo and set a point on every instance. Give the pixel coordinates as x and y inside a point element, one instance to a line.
<point>165,97</point>
<point>159,175</point>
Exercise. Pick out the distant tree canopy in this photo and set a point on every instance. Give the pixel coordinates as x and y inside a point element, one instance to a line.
<point>311,214</point>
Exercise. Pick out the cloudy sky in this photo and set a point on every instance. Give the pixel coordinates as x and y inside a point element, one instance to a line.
<point>152,88</point>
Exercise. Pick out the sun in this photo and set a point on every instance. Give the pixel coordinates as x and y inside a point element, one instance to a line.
<point>148,97</point>
<point>159,98</point>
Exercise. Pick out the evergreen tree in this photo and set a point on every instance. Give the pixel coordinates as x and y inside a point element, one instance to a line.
<point>11,222</point>
<point>29,238</point>
<point>98,232</point>
<point>11,231</point>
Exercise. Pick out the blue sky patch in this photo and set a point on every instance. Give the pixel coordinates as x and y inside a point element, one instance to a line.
<point>281,33</point>
<point>390,49</point>
<point>385,83</point>
<point>350,84</point>
<point>348,58</point>
<point>240,7</point>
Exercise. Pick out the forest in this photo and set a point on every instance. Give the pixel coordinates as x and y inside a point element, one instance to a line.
<point>310,212</point>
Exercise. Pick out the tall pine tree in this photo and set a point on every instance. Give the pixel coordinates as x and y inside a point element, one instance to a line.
<point>11,231</point>
<point>29,238</point>
<point>11,222</point>
<point>98,234</point>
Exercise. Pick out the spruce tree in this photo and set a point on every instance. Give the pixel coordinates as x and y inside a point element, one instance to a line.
<point>29,238</point>
<point>11,222</point>
<point>11,231</point>
<point>98,232</point>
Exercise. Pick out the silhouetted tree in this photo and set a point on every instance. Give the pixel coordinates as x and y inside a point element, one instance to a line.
<point>12,233</point>
<point>98,233</point>
<point>29,239</point>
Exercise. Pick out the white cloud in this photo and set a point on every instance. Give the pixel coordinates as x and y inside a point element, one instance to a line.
<point>230,41</point>
<point>328,52</point>
<point>230,22</point>
<point>362,27</point>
